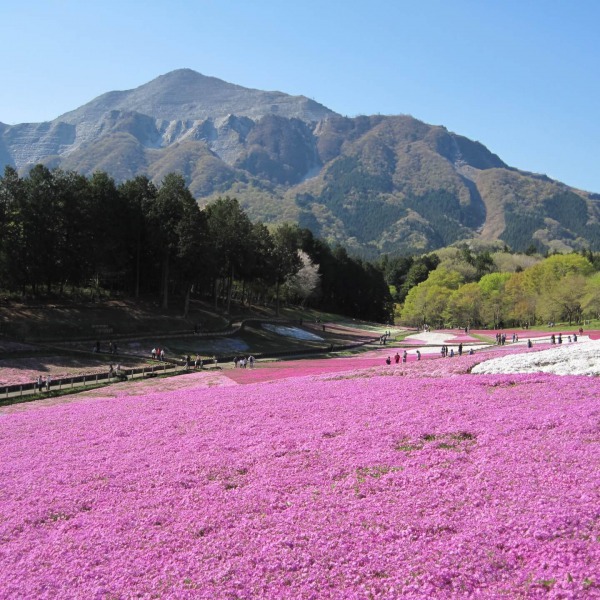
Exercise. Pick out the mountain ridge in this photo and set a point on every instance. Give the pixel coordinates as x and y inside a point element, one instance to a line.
<point>380,183</point>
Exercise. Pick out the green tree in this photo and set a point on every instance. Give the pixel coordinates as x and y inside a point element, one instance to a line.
<point>12,242</point>
<point>73,253</point>
<point>41,228</point>
<point>286,261</point>
<point>192,246</point>
<point>426,302</point>
<point>521,298</point>
<point>463,307</point>
<point>166,214</point>
<point>493,298</point>
<point>591,298</point>
<point>260,266</point>
<point>230,233</point>
<point>138,195</point>
<point>108,230</point>
<point>418,272</point>
<point>564,298</point>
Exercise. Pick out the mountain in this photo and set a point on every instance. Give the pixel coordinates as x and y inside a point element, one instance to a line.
<point>372,183</point>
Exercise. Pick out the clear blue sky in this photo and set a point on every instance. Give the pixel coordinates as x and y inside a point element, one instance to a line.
<point>520,76</point>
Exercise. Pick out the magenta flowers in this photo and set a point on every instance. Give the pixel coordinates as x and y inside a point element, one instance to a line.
<point>357,485</point>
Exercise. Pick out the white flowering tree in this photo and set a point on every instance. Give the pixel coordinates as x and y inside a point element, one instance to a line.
<point>306,282</point>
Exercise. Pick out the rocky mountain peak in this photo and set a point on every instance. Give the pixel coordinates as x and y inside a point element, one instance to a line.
<point>185,94</point>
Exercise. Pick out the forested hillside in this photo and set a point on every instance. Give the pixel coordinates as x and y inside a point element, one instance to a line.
<point>374,184</point>
<point>61,231</point>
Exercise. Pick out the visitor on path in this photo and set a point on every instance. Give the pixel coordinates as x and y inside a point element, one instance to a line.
<point>48,383</point>
<point>197,361</point>
<point>529,344</point>
<point>235,362</point>
<point>162,354</point>
<point>251,361</point>
<point>388,361</point>
<point>471,352</point>
<point>111,371</point>
<point>574,337</point>
<point>451,352</point>
<point>215,361</point>
<point>418,355</point>
<point>404,355</point>
<point>460,349</point>
<point>153,353</point>
<point>397,358</point>
<point>39,383</point>
<point>187,361</point>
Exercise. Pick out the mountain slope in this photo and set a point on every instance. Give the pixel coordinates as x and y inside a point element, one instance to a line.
<point>372,183</point>
<point>184,95</point>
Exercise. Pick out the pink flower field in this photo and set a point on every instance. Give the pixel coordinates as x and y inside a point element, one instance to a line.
<point>372,482</point>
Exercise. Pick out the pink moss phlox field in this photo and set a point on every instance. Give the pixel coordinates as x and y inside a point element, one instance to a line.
<point>358,487</point>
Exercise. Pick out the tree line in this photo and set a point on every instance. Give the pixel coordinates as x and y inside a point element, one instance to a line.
<point>62,232</point>
<point>470,290</point>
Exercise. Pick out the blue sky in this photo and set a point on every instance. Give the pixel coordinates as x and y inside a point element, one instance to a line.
<point>522,77</point>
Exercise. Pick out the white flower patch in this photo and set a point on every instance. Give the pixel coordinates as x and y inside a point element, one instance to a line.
<point>577,358</point>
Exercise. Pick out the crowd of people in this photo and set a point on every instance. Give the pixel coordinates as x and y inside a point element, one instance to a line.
<point>388,360</point>
<point>243,362</point>
<point>158,354</point>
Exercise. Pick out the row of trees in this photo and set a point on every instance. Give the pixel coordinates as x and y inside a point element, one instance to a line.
<point>561,287</point>
<point>60,230</point>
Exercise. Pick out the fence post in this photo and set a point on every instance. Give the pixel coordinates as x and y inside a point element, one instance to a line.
<point>71,383</point>
<point>21,390</point>
<point>84,381</point>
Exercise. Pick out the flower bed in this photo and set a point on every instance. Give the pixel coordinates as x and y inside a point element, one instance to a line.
<point>352,487</point>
